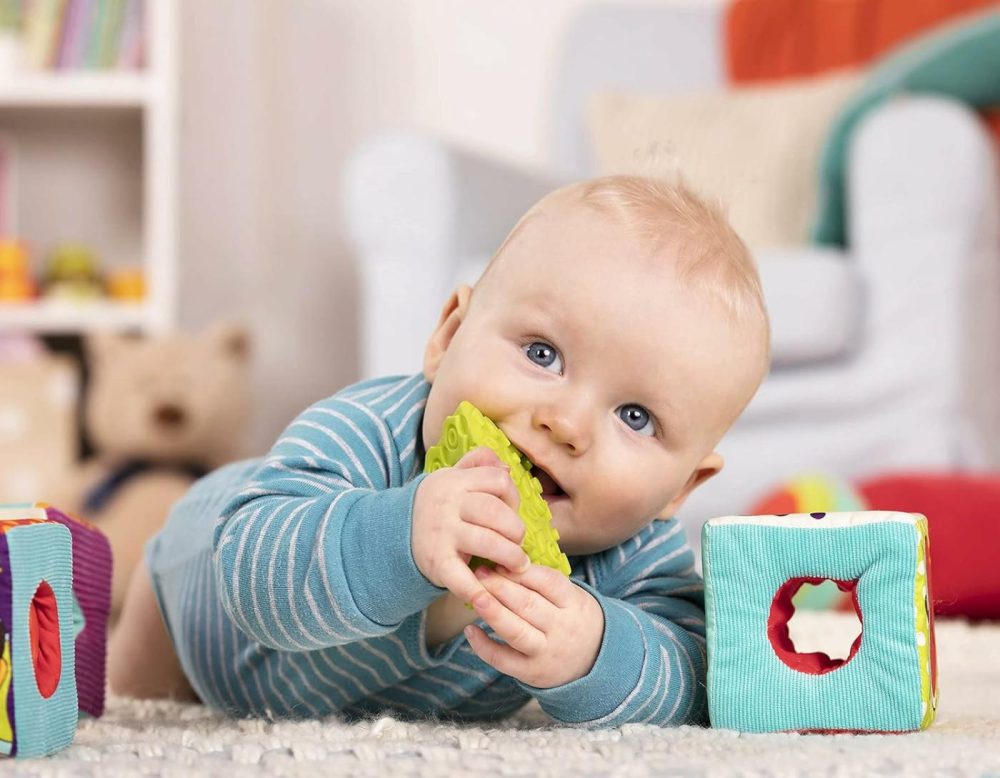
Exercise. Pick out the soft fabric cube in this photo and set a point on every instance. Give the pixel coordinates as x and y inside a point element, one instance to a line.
<point>757,682</point>
<point>38,705</point>
<point>91,606</point>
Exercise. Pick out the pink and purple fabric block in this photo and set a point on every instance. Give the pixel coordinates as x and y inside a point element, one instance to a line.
<point>91,606</point>
<point>55,598</point>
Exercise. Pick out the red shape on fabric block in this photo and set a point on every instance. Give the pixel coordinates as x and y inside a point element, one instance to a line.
<point>963,520</point>
<point>43,631</point>
<point>815,663</point>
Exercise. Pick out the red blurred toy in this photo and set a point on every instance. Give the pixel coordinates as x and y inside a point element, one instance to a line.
<point>963,516</point>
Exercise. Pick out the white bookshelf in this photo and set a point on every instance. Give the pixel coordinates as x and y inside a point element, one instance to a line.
<point>76,90</point>
<point>53,317</point>
<point>97,164</point>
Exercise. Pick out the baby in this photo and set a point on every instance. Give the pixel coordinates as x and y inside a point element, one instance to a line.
<point>615,336</point>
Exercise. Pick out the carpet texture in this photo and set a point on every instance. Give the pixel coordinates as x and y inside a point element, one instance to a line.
<point>160,738</point>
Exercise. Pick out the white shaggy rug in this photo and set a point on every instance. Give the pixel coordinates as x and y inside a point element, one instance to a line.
<point>181,740</point>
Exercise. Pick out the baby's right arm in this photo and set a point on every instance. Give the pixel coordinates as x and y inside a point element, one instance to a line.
<point>316,549</point>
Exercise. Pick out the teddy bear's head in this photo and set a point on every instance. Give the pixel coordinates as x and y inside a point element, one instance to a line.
<point>177,399</point>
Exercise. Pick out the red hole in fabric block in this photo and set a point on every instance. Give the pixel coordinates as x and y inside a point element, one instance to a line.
<point>43,631</point>
<point>782,609</point>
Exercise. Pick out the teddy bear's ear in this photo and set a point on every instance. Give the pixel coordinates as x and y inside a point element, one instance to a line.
<point>232,338</point>
<point>102,347</point>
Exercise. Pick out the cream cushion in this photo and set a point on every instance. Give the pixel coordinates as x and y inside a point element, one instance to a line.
<point>756,149</point>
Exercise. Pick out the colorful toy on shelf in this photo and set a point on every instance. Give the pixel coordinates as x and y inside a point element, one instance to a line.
<point>16,283</point>
<point>758,682</point>
<point>73,273</point>
<point>467,429</point>
<point>126,284</point>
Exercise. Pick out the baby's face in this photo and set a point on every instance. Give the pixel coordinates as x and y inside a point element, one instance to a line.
<point>599,367</point>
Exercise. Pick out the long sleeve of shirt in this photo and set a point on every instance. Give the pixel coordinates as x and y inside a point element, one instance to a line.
<point>651,666</point>
<point>315,550</point>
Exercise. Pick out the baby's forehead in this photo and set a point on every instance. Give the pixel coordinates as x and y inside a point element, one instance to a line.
<point>578,234</point>
<point>561,210</point>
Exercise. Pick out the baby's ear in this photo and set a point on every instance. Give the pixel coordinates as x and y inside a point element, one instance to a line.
<point>710,465</point>
<point>452,315</point>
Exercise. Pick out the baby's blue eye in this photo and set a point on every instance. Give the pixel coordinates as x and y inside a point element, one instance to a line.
<point>637,418</point>
<point>541,353</point>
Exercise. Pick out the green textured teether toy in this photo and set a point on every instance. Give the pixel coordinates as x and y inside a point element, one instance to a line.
<point>466,429</point>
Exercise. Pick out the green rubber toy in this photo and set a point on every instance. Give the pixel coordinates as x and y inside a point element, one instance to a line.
<point>466,429</point>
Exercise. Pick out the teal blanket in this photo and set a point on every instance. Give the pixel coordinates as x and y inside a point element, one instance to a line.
<point>961,60</point>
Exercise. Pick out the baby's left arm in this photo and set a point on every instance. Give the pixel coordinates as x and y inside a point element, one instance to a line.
<point>632,652</point>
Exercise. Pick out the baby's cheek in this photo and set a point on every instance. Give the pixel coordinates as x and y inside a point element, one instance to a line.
<point>626,491</point>
<point>650,486</point>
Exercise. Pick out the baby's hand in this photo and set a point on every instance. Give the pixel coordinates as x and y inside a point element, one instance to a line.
<point>552,628</point>
<point>465,511</point>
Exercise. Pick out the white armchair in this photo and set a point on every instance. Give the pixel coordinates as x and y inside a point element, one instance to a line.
<point>886,353</point>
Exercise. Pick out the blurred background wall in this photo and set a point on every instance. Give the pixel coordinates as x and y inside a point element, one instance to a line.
<point>884,333</point>
<point>274,96</point>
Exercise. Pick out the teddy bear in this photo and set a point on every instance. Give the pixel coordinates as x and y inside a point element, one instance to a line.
<point>159,413</point>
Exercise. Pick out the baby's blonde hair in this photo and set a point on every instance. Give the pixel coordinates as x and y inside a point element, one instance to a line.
<point>710,258</point>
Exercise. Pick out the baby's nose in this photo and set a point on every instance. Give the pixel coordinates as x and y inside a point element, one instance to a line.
<point>565,427</point>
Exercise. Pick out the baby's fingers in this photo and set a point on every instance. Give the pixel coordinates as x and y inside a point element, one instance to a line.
<point>519,634</point>
<point>459,579</point>
<point>486,510</point>
<point>529,605</point>
<point>481,456</point>
<point>485,472</point>
<point>552,585</point>
<point>503,658</point>
<point>491,545</point>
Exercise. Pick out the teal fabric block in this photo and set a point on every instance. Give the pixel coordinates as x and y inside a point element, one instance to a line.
<point>745,564</point>
<point>41,552</point>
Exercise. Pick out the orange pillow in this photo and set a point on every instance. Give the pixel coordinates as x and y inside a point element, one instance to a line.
<point>778,39</point>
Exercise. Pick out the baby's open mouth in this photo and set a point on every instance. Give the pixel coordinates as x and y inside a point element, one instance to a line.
<point>550,488</point>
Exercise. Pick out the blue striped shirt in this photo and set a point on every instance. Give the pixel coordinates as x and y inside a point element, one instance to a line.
<point>308,601</point>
